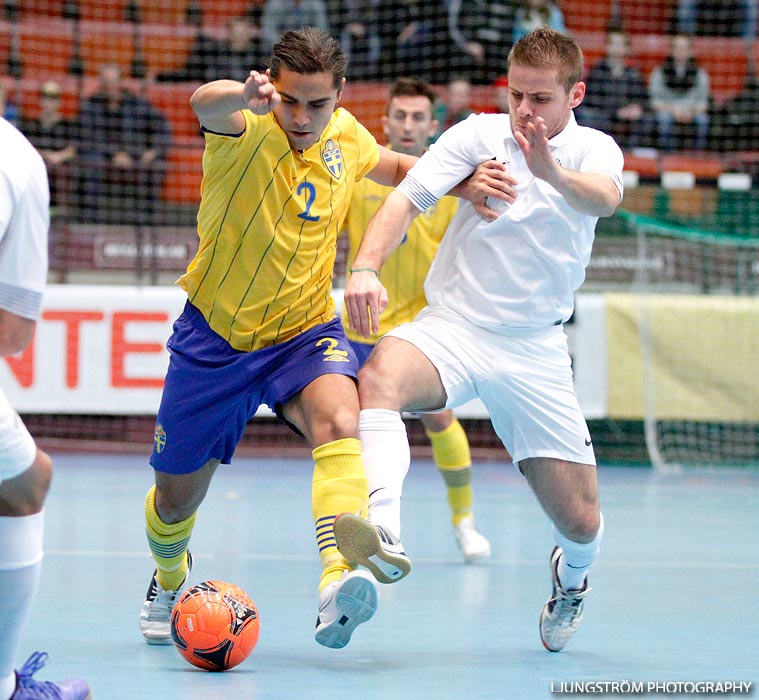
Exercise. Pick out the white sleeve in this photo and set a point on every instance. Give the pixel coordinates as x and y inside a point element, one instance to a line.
<point>453,157</point>
<point>24,222</point>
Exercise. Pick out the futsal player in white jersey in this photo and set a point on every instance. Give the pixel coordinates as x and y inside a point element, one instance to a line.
<point>25,470</point>
<point>498,294</point>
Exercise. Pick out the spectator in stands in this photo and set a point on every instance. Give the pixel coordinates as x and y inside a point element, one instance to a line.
<point>123,144</point>
<point>415,40</point>
<point>200,56</point>
<point>532,14</point>
<point>280,15</point>
<point>55,138</point>
<point>723,18</point>
<point>356,24</point>
<point>235,55</point>
<point>616,98</point>
<point>240,52</point>
<point>735,126</point>
<point>456,107</point>
<point>679,94</point>
<point>7,109</point>
<point>482,31</point>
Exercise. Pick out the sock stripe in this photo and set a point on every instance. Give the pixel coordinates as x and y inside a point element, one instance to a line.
<point>326,544</point>
<point>168,551</point>
<point>456,478</point>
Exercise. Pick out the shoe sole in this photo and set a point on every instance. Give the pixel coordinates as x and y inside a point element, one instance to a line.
<point>360,543</point>
<point>356,602</point>
<point>157,641</point>
<point>471,558</point>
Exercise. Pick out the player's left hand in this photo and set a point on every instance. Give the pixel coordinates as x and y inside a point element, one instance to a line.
<point>534,145</point>
<point>490,179</point>
<point>365,298</point>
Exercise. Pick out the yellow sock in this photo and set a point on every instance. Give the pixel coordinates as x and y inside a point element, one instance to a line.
<point>339,486</point>
<point>168,543</point>
<point>450,450</point>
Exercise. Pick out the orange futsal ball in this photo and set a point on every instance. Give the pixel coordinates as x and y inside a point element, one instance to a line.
<point>215,625</point>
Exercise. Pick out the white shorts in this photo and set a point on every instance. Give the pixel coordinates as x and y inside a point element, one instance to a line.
<point>525,382</point>
<point>17,448</point>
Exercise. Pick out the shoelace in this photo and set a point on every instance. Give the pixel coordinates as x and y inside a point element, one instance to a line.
<point>567,604</point>
<point>162,604</point>
<point>24,677</point>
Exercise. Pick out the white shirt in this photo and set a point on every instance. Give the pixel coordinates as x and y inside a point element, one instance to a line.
<point>24,223</point>
<point>520,271</point>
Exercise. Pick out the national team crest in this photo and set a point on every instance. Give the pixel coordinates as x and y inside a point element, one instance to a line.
<point>159,438</point>
<point>333,159</point>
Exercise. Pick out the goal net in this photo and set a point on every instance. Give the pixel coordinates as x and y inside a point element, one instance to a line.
<point>686,350</point>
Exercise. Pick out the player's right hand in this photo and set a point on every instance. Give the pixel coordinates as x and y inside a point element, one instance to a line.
<point>260,95</point>
<point>365,298</point>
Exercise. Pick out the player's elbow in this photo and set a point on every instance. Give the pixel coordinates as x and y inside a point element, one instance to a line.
<point>609,201</point>
<point>15,333</point>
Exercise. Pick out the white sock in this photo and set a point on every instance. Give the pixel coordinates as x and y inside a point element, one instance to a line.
<point>577,557</point>
<point>20,565</point>
<point>385,450</point>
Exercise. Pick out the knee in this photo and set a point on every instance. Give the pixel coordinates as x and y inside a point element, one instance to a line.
<point>583,526</point>
<point>374,387</point>
<point>42,476</point>
<point>25,494</point>
<point>336,425</point>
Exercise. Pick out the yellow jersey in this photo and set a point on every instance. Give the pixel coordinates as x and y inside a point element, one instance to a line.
<point>404,272</point>
<point>268,222</point>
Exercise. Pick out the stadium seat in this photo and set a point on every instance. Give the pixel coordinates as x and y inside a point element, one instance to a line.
<point>645,166</point>
<point>183,175</point>
<point>366,101</point>
<point>653,17</point>
<point>173,101</point>
<point>5,42</point>
<point>103,11</point>
<point>166,46</point>
<point>44,8</point>
<point>586,15</point>
<point>106,42</point>
<point>46,45</point>
<point>725,59</point>
<point>214,12</point>
<point>165,11</point>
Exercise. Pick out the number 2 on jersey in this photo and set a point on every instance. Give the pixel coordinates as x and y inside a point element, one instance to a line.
<point>310,199</point>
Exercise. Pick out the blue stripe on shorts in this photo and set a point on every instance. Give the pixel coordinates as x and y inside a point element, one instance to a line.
<point>212,390</point>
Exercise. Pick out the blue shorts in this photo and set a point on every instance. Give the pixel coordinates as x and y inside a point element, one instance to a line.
<point>362,350</point>
<point>212,390</point>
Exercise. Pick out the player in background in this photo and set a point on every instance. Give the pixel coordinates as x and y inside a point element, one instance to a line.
<point>259,327</point>
<point>25,470</point>
<point>409,125</point>
<point>499,293</point>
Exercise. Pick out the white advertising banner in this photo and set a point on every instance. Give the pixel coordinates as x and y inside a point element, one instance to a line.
<point>101,350</point>
<point>97,349</point>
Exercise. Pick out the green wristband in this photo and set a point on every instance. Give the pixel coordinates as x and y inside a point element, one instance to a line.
<point>363,269</point>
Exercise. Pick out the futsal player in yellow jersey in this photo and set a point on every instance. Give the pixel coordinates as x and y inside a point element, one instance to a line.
<point>259,326</point>
<point>408,124</point>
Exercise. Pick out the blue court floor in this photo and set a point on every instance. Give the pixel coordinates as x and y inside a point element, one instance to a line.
<point>674,590</point>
